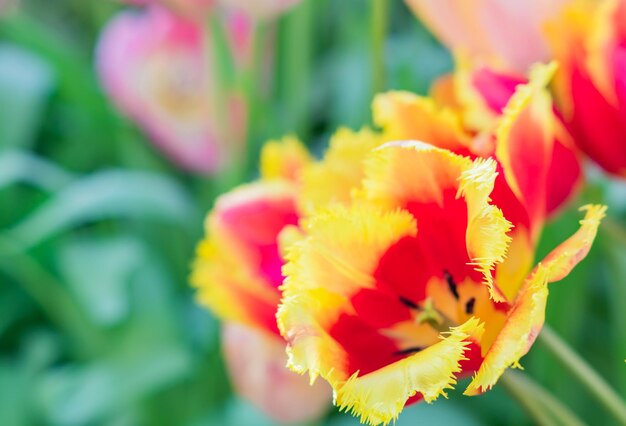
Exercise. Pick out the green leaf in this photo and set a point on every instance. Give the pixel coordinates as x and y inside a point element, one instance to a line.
<point>146,354</point>
<point>108,195</point>
<point>614,239</point>
<point>26,82</point>
<point>92,392</point>
<point>16,405</point>
<point>24,167</point>
<point>103,296</point>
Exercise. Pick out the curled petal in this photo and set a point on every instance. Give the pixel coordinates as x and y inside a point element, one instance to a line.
<point>565,173</point>
<point>379,397</point>
<point>566,256</point>
<point>406,174</point>
<point>487,229</point>
<point>526,316</point>
<point>525,139</point>
<point>518,334</point>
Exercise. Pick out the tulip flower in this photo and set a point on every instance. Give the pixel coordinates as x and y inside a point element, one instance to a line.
<point>238,274</point>
<point>238,267</point>
<point>492,115</point>
<point>395,296</point>
<point>424,274</point>
<point>506,31</point>
<point>588,40</point>
<point>481,94</point>
<point>154,67</point>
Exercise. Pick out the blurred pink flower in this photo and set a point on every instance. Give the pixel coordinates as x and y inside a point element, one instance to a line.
<point>256,362</point>
<point>154,67</point>
<point>509,30</point>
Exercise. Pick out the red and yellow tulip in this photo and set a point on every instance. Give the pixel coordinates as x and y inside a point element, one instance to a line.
<point>481,113</point>
<point>238,270</point>
<point>237,273</point>
<point>425,274</point>
<point>482,93</point>
<point>589,41</point>
<point>409,264</point>
<point>394,297</point>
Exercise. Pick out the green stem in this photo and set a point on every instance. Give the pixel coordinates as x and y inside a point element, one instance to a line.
<point>222,81</point>
<point>252,81</point>
<point>299,27</point>
<point>540,404</point>
<point>581,369</point>
<point>379,19</point>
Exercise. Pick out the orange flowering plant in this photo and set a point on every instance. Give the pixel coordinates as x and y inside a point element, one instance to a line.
<point>426,275</point>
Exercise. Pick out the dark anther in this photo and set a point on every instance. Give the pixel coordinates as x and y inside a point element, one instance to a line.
<point>451,284</point>
<point>409,303</point>
<point>408,351</point>
<point>469,306</point>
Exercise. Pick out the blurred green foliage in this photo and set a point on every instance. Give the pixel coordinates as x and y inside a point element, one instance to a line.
<point>98,325</point>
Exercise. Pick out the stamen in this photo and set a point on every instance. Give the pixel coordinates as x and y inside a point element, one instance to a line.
<point>409,303</point>
<point>430,314</point>
<point>469,306</point>
<point>451,284</point>
<point>409,351</point>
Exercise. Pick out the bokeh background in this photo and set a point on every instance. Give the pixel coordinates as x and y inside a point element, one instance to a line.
<point>98,325</point>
